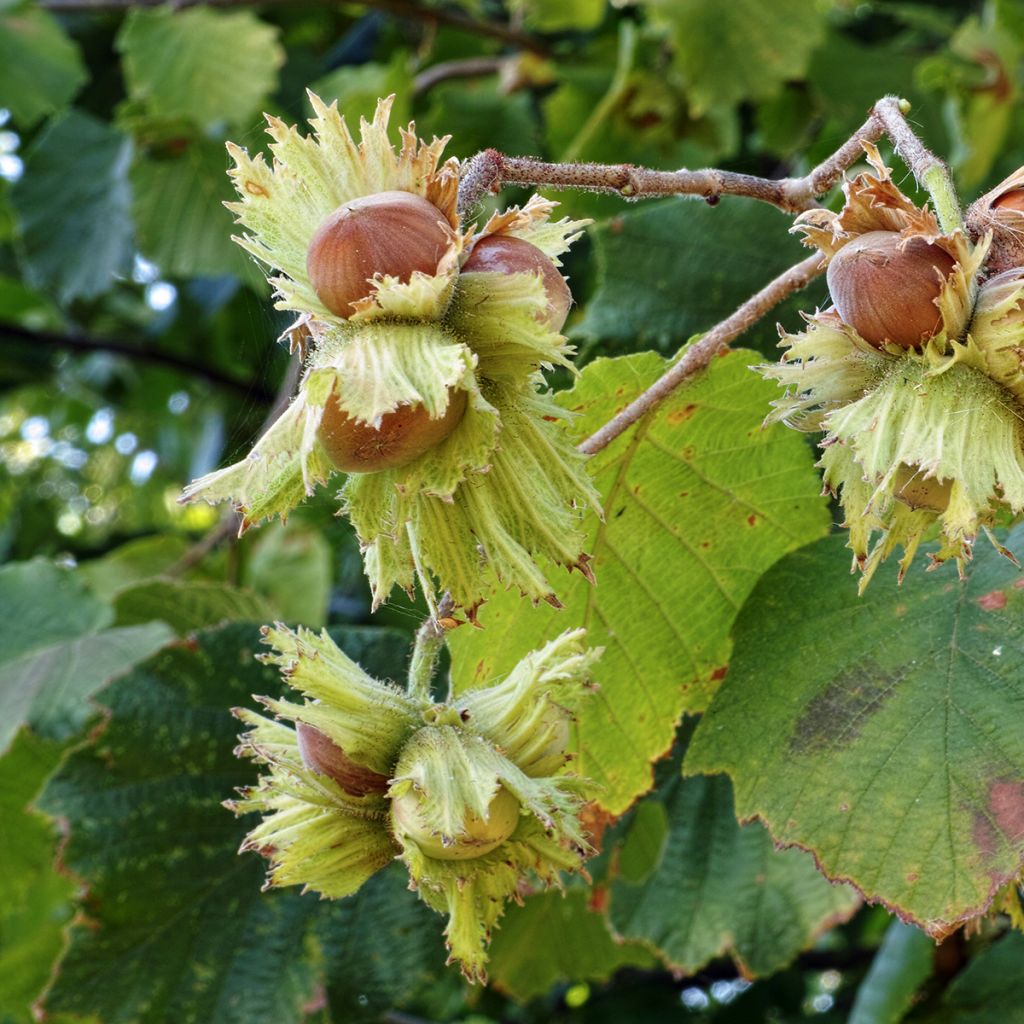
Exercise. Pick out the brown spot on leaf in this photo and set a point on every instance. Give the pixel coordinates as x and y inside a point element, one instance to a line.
<point>479,671</point>
<point>837,714</point>
<point>598,901</point>
<point>993,601</point>
<point>1002,821</point>
<point>254,189</point>
<point>594,819</point>
<point>719,673</point>
<point>900,610</point>
<point>680,415</point>
<point>1006,801</point>
<point>752,519</point>
<point>912,877</point>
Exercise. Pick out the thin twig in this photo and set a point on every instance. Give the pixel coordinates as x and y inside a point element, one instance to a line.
<point>85,343</point>
<point>698,355</point>
<point>507,34</point>
<point>230,521</point>
<point>926,167</point>
<point>467,67</point>
<point>489,171</point>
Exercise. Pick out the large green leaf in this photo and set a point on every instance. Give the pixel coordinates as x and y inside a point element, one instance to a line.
<point>557,937</point>
<point>722,888</point>
<point>699,501</point>
<point>675,268</point>
<point>882,733</point>
<point>380,948</point>
<point>131,563</point>
<point>73,208</point>
<point>741,50</point>
<point>55,652</point>
<point>34,896</point>
<point>188,604</point>
<point>40,67</point>
<point>179,209</point>
<point>176,927</point>
<point>210,67</point>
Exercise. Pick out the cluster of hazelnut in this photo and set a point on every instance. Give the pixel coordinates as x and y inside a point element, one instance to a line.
<point>470,794</point>
<point>915,374</point>
<point>424,345</point>
<point>423,348</point>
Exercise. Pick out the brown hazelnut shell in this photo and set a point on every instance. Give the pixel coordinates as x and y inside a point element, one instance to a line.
<point>506,254</point>
<point>322,755</point>
<point>386,234</point>
<point>402,436</point>
<point>885,287</point>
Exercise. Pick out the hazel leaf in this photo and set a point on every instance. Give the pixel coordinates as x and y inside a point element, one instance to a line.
<point>210,67</point>
<point>699,501</point>
<point>557,937</point>
<point>187,604</point>
<point>675,268</point>
<point>722,888</point>
<point>56,651</point>
<point>40,67</point>
<point>987,989</point>
<point>34,895</point>
<point>881,733</point>
<point>72,206</point>
<point>178,204</point>
<point>742,50</point>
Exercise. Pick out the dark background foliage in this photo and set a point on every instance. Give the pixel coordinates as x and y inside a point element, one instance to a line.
<point>139,351</point>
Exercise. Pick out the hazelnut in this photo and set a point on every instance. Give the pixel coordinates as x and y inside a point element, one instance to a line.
<point>885,287</point>
<point>503,254</point>
<point>479,835</point>
<point>389,233</point>
<point>402,436</point>
<point>322,755</point>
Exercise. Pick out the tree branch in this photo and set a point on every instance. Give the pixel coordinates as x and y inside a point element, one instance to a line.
<point>399,8</point>
<point>699,354</point>
<point>467,67</point>
<point>84,343</point>
<point>489,171</point>
<point>927,168</point>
